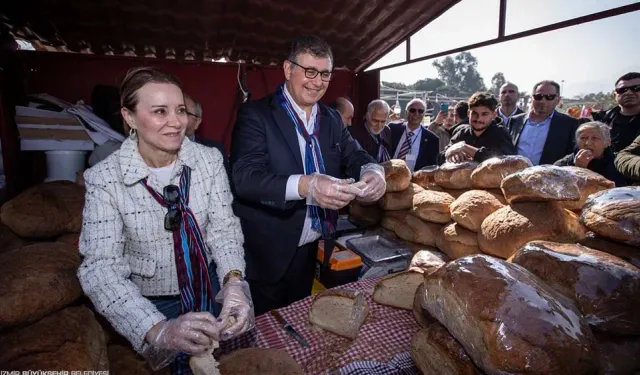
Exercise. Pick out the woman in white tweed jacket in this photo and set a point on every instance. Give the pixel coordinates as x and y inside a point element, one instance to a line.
<point>160,302</point>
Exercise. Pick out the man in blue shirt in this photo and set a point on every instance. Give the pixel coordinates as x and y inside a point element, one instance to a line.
<point>544,135</point>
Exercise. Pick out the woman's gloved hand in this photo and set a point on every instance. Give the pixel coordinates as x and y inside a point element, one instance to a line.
<point>237,316</point>
<point>192,333</point>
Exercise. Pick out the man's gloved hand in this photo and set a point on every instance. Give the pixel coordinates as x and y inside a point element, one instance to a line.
<point>375,184</point>
<point>192,333</point>
<point>237,316</point>
<point>330,192</point>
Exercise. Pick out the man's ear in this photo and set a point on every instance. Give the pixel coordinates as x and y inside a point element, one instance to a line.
<point>198,122</point>
<point>286,66</point>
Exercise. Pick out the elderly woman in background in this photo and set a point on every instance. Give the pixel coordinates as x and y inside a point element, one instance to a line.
<point>594,152</point>
<point>157,226</point>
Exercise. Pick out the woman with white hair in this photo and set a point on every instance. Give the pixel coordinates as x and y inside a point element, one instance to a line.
<point>594,152</point>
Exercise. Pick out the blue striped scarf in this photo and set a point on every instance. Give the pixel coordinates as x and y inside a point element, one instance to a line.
<point>322,220</point>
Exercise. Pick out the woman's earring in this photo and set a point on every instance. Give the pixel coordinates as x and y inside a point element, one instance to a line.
<point>132,132</point>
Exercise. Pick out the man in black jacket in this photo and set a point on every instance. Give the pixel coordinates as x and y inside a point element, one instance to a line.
<point>483,138</point>
<point>287,154</point>
<point>544,135</point>
<point>624,119</point>
<point>509,96</point>
<point>413,142</point>
<point>373,135</point>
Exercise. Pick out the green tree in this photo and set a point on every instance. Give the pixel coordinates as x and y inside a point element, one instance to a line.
<point>496,82</point>
<point>428,84</point>
<point>396,85</point>
<point>460,72</point>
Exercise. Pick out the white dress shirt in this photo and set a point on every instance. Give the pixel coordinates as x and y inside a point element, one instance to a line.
<point>412,156</point>
<point>308,234</point>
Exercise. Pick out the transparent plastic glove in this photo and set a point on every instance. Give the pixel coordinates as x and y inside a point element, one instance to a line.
<point>330,192</point>
<point>191,333</point>
<point>237,316</point>
<point>375,184</point>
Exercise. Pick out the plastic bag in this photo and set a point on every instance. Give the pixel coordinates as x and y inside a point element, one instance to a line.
<point>489,174</point>
<point>541,184</point>
<point>614,214</point>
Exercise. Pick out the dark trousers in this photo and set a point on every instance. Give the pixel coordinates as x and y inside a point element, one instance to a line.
<point>294,286</point>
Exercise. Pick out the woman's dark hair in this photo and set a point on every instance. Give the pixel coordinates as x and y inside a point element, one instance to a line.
<point>135,79</point>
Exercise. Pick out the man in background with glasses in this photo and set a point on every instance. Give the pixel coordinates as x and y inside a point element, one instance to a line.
<point>411,141</point>
<point>544,135</point>
<point>194,117</point>
<point>624,119</point>
<point>287,155</point>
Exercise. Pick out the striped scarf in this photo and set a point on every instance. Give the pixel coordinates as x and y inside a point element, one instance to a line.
<point>322,220</point>
<point>196,293</point>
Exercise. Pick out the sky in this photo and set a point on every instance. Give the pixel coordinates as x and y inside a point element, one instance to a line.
<point>589,57</point>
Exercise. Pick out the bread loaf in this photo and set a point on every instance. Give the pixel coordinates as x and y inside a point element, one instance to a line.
<point>393,219</point>
<point>370,214</point>
<point>541,184</point>
<point>436,352</point>
<point>457,242</point>
<point>259,361</point>
<point>424,232</point>
<point>628,253</point>
<point>397,175</point>
<point>432,206</point>
<point>455,175</point>
<point>508,320</point>
<point>401,200</point>
<point>489,174</point>
<point>426,261</point>
<point>511,227</point>
<point>46,210</point>
<point>455,193</point>
<point>614,214</point>
<point>589,182</point>
<point>618,355</point>
<point>124,360</point>
<point>36,281</point>
<point>9,241</point>
<point>67,340</point>
<point>472,207</point>
<point>604,287</point>
<point>426,178</point>
<point>423,318</point>
<point>497,193</point>
<point>338,311</point>
<point>398,290</point>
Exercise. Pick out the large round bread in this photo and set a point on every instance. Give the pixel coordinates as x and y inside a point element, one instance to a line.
<point>398,290</point>
<point>436,352</point>
<point>123,360</point>
<point>46,210</point>
<point>614,214</point>
<point>259,361</point>
<point>401,200</point>
<point>457,242</point>
<point>423,318</point>
<point>472,207</point>
<point>36,281</point>
<point>68,340</point>
<point>9,241</point>
<point>455,175</point>
<point>432,206</point>
<point>426,178</point>
<point>393,219</point>
<point>489,174</point>
<point>541,184</point>
<point>589,182</point>
<point>604,287</point>
<point>424,232</point>
<point>397,175</point>
<point>618,355</point>
<point>369,214</point>
<point>628,253</point>
<point>508,229</point>
<point>508,320</point>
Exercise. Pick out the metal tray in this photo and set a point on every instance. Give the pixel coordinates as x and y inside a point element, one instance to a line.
<point>377,249</point>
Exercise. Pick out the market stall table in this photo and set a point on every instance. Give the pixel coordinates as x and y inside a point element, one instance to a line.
<point>382,346</point>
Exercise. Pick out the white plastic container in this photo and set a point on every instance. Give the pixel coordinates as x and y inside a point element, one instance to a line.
<point>64,165</point>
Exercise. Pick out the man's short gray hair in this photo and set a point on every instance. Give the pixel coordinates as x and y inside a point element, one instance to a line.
<point>604,130</point>
<point>198,109</point>
<point>510,84</point>
<point>416,100</point>
<point>376,105</point>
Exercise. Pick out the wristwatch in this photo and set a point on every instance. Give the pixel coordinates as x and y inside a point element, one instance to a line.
<point>230,274</point>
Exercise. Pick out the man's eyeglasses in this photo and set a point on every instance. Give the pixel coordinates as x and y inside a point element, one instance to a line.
<point>622,90</point>
<point>173,218</point>
<point>312,73</point>
<point>414,110</point>
<point>547,96</point>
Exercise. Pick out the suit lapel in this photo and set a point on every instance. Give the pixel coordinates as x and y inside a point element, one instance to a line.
<point>518,126</point>
<point>396,134</point>
<point>325,133</point>
<point>423,148</point>
<point>288,129</point>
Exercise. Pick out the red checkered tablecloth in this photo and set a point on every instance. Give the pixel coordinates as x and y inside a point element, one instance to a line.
<point>386,333</point>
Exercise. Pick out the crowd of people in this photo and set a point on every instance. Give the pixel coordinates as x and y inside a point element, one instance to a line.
<point>181,249</point>
<point>484,127</point>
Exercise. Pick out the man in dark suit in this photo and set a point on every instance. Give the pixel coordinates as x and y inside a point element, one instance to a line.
<point>194,117</point>
<point>509,96</point>
<point>544,135</point>
<point>345,109</point>
<point>287,153</point>
<point>413,142</point>
<point>373,134</point>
